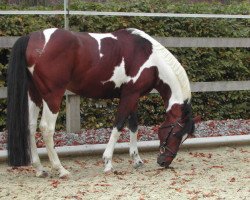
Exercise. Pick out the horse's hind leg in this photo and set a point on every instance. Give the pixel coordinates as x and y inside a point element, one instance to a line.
<point>47,126</point>
<point>133,149</point>
<point>33,115</point>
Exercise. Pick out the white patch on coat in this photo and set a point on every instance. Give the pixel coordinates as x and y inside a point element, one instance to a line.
<point>47,34</point>
<point>31,69</point>
<point>120,77</point>
<point>170,71</point>
<point>99,36</point>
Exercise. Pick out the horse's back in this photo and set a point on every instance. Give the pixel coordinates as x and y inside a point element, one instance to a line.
<point>108,62</point>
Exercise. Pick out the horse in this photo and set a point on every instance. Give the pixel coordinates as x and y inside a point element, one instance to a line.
<point>125,64</point>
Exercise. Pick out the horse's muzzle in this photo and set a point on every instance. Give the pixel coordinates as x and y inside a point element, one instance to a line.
<point>161,160</point>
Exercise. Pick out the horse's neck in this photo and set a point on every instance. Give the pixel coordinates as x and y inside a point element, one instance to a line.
<point>179,74</point>
<point>175,113</point>
<point>171,94</point>
<point>170,72</point>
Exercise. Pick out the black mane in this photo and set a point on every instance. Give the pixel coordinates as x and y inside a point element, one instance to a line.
<point>187,117</point>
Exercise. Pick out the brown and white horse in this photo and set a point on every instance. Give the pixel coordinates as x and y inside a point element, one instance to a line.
<point>125,64</point>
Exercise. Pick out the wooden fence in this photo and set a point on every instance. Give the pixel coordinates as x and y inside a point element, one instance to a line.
<point>73,101</point>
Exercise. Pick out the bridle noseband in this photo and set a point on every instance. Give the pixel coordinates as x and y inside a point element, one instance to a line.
<point>163,146</point>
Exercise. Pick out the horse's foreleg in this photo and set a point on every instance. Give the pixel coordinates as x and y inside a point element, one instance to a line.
<point>108,154</point>
<point>33,115</point>
<point>47,127</point>
<point>127,105</point>
<point>133,149</point>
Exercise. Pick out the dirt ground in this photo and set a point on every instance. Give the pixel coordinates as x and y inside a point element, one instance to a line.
<point>217,173</point>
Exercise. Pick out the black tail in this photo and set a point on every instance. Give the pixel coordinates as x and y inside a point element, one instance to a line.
<point>17,109</point>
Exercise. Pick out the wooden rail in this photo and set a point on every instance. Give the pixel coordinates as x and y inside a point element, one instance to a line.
<point>216,86</point>
<point>73,101</point>
<point>7,42</point>
<point>125,14</point>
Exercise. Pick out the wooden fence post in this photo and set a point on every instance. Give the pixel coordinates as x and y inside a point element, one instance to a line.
<point>66,14</point>
<point>73,123</point>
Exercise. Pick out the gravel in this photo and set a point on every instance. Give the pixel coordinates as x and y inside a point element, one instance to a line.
<point>211,128</point>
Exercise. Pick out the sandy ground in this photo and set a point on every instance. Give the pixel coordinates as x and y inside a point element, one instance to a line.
<point>218,173</point>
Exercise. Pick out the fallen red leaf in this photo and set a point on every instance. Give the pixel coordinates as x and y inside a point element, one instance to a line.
<point>178,189</point>
<point>141,198</point>
<point>55,183</point>
<point>82,164</point>
<point>103,184</point>
<point>120,173</point>
<point>232,179</point>
<point>217,166</point>
<point>99,163</point>
<point>75,143</point>
<point>244,151</point>
<point>118,160</point>
<point>173,183</point>
<point>212,124</point>
<point>40,144</point>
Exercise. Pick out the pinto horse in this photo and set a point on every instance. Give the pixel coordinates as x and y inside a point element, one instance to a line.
<point>125,64</point>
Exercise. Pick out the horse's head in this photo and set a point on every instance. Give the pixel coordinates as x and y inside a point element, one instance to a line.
<point>178,125</point>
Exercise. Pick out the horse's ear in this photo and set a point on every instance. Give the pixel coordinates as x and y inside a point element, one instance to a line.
<point>197,119</point>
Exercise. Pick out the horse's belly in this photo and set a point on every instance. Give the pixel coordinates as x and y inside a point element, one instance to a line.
<point>94,90</point>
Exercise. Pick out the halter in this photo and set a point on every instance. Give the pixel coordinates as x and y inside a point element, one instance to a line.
<point>164,146</point>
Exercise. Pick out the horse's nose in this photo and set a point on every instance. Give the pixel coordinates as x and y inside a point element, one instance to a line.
<point>161,160</point>
<point>161,163</point>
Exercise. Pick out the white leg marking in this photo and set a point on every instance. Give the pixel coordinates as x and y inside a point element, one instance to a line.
<point>35,160</point>
<point>47,34</point>
<point>108,153</point>
<point>133,150</point>
<point>47,127</point>
<point>184,137</point>
<point>99,36</point>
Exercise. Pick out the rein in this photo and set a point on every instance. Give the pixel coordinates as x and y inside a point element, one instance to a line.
<point>164,146</point>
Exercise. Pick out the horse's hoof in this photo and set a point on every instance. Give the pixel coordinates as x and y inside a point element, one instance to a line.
<point>42,174</point>
<point>138,164</point>
<point>108,171</point>
<point>64,174</point>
